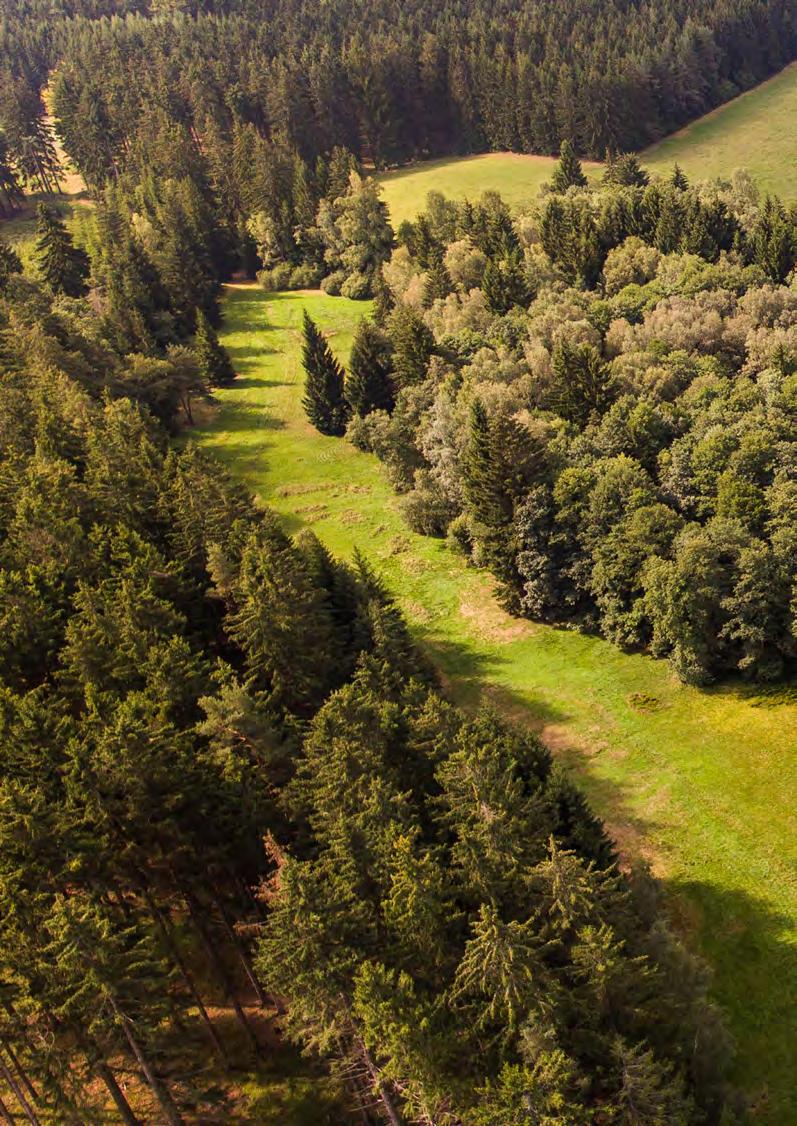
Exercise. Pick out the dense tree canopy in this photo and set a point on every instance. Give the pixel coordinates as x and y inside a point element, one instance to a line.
<point>618,441</point>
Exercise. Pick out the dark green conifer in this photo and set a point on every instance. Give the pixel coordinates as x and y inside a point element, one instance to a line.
<point>9,264</point>
<point>324,400</point>
<point>215,366</point>
<point>369,385</point>
<point>504,283</point>
<point>64,266</point>
<point>413,345</point>
<point>568,172</point>
<point>383,300</point>
<point>678,178</point>
<point>438,283</point>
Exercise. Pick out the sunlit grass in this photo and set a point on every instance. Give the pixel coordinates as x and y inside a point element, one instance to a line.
<point>700,783</point>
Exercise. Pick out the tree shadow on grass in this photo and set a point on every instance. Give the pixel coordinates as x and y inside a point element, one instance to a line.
<point>748,945</point>
<point>753,957</point>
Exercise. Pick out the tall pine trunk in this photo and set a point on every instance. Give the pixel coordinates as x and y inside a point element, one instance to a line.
<point>122,1105</point>
<point>170,942</point>
<point>161,1092</point>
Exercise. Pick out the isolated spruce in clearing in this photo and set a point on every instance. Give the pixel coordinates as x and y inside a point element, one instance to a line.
<point>324,401</point>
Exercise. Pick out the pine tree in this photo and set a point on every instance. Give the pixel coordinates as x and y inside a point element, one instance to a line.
<point>678,178</point>
<point>324,399</point>
<point>63,266</point>
<point>9,264</point>
<point>504,283</point>
<point>215,366</point>
<point>437,283</point>
<point>383,300</point>
<point>368,385</point>
<point>582,382</point>
<point>413,345</point>
<point>568,172</point>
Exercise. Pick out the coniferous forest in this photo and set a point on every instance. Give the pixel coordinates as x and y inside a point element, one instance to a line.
<point>230,778</point>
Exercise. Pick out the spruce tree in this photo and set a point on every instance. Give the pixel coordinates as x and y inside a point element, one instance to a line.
<point>368,385</point>
<point>568,172</point>
<point>324,399</point>
<point>9,264</point>
<point>215,366</point>
<point>678,178</point>
<point>413,345</point>
<point>383,300</point>
<point>63,265</point>
<point>504,283</point>
<point>438,283</point>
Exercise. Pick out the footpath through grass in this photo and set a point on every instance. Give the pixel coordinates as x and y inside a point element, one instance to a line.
<point>701,783</point>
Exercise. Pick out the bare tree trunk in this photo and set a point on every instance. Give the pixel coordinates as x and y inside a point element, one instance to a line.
<point>19,1069</point>
<point>245,962</point>
<point>164,926</point>
<point>384,1094</point>
<point>122,1105</point>
<point>15,1087</point>
<point>6,1113</point>
<point>221,972</point>
<point>173,1116</point>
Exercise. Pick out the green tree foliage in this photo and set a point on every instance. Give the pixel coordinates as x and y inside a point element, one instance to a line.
<point>369,383</point>
<point>413,344</point>
<point>215,366</point>
<point>324,398</point>
<point>9,264</point>
<point>63,266</point>
<point>568,172</point>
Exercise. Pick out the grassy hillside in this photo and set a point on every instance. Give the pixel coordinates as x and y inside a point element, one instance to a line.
<point>757,131</point>
<point>518,178</point>
<point>700,783</point>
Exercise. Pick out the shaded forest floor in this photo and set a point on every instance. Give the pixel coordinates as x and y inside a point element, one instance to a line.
<point>700,783</point>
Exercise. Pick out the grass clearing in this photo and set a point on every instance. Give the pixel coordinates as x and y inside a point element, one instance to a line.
<point>517,177</point>
<point>20,231</point>
<point>702,783</point>
<point>756,131</point>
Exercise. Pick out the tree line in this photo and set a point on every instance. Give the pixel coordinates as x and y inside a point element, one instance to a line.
<point>596,400</point>
<point>259,95</point>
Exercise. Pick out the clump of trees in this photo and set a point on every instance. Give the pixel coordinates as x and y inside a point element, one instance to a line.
<point>597,403</point>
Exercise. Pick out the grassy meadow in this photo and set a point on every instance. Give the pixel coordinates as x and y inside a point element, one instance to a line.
<point>756,131</point>
<point>517,177</point>
<point>701,784</point>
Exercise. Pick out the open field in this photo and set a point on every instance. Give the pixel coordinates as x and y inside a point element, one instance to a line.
<point>757,131</point>
<point>518,178</point>
<point>700,783</point>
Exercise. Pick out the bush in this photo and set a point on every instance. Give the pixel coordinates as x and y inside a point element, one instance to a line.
<point>426,509</point>
<point>460,537</point>
<point>357,287</point>
<point>277,278</point>
<point>305,277</point>
<point>332,283</point>
<point>369,434</point>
